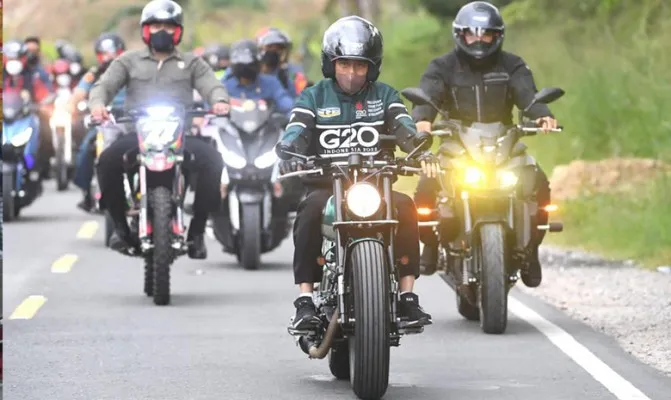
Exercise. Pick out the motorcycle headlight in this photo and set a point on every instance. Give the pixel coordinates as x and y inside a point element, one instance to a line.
<point>507,179</point>
<point>63,80</point>
<point>82,106</point>
<point>473,176</point>
<point>75,68</point>
<point>10,112</point>
<point>233,160</point>
<point>14,67</point>
<point>160,112</point>
<point>22,138</point>
<point>265,160</point>
<point>363,199</point>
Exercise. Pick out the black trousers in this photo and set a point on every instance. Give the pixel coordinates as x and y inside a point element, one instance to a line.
<point>207,164</point>
<point>427,190</point>
<point>308,237</point>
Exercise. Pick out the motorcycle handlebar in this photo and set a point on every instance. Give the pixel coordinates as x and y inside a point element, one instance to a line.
<point>314,170</point>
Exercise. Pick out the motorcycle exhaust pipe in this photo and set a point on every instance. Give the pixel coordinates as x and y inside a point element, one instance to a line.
<point>322,350</point>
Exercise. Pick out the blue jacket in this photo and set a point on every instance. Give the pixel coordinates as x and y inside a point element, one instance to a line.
<point>266,87</point>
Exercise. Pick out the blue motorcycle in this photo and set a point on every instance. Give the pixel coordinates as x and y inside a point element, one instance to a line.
<point>21,183</point>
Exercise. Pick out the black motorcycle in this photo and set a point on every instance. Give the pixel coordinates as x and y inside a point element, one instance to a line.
<point>155,185</point>
<point>488,197</point>
<point>253,217</point>
<point>357,298</point>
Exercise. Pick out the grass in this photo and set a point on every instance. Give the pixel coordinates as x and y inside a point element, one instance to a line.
<point>617,81</point>
<point>624,226</point>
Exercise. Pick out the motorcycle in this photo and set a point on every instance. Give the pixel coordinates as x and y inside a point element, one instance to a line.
<point>21,184</point>
<point>254,221</point>
<point>155,194</point>
<point>357,299</point>
<point>488,197</point>
<point>61,124</point>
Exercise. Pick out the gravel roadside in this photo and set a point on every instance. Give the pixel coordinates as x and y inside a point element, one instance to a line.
<point>617,298</point>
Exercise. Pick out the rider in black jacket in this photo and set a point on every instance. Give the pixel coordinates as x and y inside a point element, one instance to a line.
<point>478,82</point>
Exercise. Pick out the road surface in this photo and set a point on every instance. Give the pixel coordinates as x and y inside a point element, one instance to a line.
<point>77,326</point>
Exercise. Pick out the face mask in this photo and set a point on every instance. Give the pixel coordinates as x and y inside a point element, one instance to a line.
<point>32,59</point>
<point>271,59</point>
<point>161,41</point>
<point>246,71</point>
<point>350,83</point>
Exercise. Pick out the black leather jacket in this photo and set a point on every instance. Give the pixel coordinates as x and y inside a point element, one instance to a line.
<point>479,93</point>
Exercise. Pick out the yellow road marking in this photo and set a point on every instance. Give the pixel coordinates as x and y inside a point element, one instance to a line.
<point>64,264</point>
<point>87,230</point>
<point>28,308</point>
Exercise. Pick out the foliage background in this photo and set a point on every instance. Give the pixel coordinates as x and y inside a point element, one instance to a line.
<point>611,56</point>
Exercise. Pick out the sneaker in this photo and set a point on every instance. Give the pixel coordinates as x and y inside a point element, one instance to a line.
<point>533,276</point>
<point>428,260</point>
<point>411,313</point>
<point>123,243</point>
<point>306,314</point>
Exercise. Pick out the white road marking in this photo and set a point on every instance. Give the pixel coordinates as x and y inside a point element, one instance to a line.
<point>611,380</point>
<point>210,233</point>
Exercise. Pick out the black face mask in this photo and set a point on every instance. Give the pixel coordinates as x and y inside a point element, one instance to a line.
<point>246,71</point>
<point>271,59</point>
<point>161,41</point>
<point>32,59</point>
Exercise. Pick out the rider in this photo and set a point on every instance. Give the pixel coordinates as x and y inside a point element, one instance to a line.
<point>218,56</point>
<point>159,73</point>
<point>18,76</point>
<point>34,58</point>
<point>275,47</point>
<point>246,81</point>
<point>107,47</point>
<point>69,52</point>
<point>479,82</point>
<point>350,95</point>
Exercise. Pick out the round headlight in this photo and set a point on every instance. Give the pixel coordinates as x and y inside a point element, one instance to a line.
<point>363,199</point>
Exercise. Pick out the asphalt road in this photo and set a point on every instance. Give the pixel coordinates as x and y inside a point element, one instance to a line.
<point>86,331</point>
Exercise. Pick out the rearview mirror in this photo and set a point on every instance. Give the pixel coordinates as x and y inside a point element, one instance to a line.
<point>416,96</point>
<point>545,96</point>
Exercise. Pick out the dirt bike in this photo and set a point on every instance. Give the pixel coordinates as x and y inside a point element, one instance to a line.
<point>358,296</point>
<point>488,196</point>
<point>155,194</point>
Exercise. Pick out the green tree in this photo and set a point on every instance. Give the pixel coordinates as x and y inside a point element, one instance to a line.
<point>445,9</point>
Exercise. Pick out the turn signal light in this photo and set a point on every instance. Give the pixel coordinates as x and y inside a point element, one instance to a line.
<point>424,211</point>
<point>551,208</point>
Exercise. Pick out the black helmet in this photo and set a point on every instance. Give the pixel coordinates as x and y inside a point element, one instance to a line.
<point>245,61</point>
<point>353,38</point>
<point>109,43</point>
<point>244,52</point>
<point>274,36</point>
<point>215,53</point>
<point>166,11</point>
<point>478,17</point>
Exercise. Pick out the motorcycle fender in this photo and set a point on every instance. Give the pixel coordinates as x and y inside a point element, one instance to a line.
<point>354,243</point>
<point>247,196</point>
